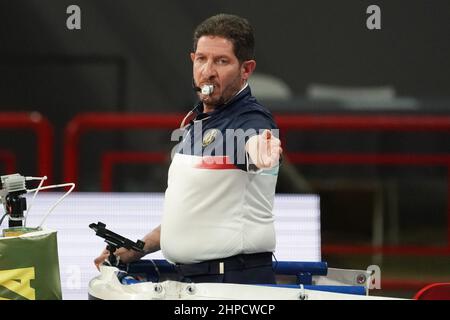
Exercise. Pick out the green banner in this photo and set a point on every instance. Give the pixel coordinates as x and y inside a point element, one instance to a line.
<point>29,267</point>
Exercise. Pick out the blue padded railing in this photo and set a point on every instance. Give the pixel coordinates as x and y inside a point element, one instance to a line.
<point>280,267</point>
<point>359,290</point>
<point>152,269</point>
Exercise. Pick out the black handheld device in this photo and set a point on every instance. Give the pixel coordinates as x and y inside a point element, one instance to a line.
<point>115,241</point>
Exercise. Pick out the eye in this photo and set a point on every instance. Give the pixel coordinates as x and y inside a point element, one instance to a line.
<point>200,58</point>
<point>222,61</point>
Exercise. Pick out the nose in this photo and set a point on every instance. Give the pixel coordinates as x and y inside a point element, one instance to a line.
<point>208,70</point>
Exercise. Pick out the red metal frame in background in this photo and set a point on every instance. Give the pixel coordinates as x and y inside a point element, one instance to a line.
<point>119,121</point>
<point>349,123</point>
<point>434,291</point>
<point>110,159</point>
<point>9,159</point>
<point>380,159</point>
<point>107,121</point>
<point>411,123</point>
<point>44,132</point>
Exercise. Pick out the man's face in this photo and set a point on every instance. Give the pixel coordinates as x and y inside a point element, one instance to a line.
<point>215,63</point>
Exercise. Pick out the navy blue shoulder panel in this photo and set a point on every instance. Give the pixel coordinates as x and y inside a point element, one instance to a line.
<point>232,125</point>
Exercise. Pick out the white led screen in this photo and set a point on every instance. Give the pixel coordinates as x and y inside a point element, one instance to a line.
<point>297,222</point>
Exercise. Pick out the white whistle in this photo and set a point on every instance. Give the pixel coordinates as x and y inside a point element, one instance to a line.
<point>207,89</point>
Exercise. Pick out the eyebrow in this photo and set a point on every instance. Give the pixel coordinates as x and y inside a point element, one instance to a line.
<point>215,57</point>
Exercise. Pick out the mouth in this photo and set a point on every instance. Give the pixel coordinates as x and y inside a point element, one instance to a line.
<point>207,89</point>
<point>206,83</point>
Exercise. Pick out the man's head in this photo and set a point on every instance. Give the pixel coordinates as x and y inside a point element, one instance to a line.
<point>233,28</point>
<point>223,56</point>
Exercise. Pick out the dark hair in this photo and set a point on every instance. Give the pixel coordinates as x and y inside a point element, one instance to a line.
<point>233,28</point>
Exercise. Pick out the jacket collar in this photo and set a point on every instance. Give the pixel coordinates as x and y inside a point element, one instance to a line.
<point>242,94</point>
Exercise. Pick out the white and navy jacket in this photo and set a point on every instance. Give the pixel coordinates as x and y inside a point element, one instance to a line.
<point>216,204</point>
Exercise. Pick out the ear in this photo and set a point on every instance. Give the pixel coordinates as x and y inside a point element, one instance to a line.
<point>192,56</point>
<point>247,69</point>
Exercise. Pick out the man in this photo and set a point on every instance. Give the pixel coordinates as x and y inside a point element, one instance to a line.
<point>217,223</point>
